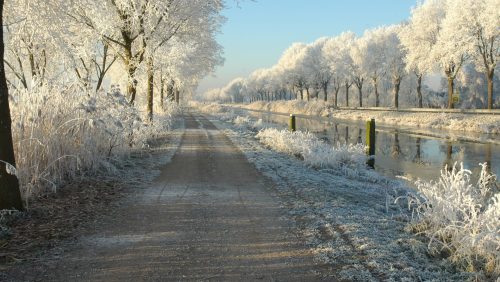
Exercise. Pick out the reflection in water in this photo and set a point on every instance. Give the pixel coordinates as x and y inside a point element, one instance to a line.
<point>448,162</point>
<point>487,157</point>
<point>396,149</point>
<point>400,153</point>
<point>418,154</point>
<point>336,135</point>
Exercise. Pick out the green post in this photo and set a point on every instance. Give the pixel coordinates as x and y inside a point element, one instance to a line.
<point>292,123</point>
<point>370,141</point>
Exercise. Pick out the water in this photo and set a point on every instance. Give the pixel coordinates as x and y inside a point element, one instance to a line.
<point>408,153</point>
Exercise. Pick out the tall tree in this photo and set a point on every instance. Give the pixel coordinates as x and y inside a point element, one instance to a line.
<point>10,196</point>
<point>420,37</point>
<point>394,59</point>
<point>475,24</point>
<point>317,67</point>
<point>449,53</point>
<point>372,45</point>
<point>336,53</point>
<point>358,56</point>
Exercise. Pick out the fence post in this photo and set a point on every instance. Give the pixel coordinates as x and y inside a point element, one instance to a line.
<point>370,142</point>
<point>292,123</point>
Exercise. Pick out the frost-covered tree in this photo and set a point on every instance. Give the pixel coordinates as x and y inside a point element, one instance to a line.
<point>291,62</point>
<point>373,44</point>
<point>475,24</point>
<point>234,90</point>
<point>30,49</point>
<point>336,53</point>
<point>10,197</point>
<point>136,29</point>
<point>449,52</point>
<point>358,56</point>
<point>320,73</point>
<point>394,59</point>
<point>419,37</point>
<point>194,24</point>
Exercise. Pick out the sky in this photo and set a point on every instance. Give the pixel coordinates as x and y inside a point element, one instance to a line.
<point>257,33</point>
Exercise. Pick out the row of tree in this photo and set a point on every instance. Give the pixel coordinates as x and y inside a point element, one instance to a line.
<point>458,39</point>
<point>147,46</point>
<point>133,43</point>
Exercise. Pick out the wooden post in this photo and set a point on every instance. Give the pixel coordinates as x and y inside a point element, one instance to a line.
<point>370,141</point>
<point>292,126</point>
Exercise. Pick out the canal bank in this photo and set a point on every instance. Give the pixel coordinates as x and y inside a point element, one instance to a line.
<point>402,152</point>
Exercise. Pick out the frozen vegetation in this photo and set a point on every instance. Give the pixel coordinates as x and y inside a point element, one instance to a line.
<point>58,140</point>
<point>461,218</point>
<point>348,158</point>
<point>333,190</point>
<point>447,121</point>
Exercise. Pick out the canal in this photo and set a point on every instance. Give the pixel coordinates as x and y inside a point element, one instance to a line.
<point>406,153</point>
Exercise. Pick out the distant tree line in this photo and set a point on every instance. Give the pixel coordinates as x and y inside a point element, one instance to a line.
<point>457,39</point>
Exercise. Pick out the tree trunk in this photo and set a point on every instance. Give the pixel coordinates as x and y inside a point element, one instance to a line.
<point>131,69</point>
<point>104,67</point>
<point>377,95</point>
<point>150,88</point>
<point>131,84</point>
<point>170,90</point>
<point>450,92</point>
<point>325,91</point>
<point>10,196</point>
<point>177,96</point>
<point>419,90</point>
<point>301,94</point>
<point>397,84</point>
<point>308,95</point>
<point>162,91</point>
<point>490,77</point>
<point>360,93</point>
<point>358,81</point>
<point>337,89</point>
<point>347,94</point>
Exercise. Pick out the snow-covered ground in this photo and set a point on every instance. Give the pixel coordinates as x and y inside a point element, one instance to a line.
<point>350,221</point>
<point>447,121</point>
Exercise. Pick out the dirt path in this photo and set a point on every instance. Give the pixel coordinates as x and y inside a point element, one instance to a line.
<point>210,216</point>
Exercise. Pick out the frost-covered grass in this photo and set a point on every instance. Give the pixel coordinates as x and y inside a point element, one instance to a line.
<point>248,123</point>
<point>461,218</point>
<point>448,121</point>
<point>317,108</point>
<point>347,158</point>
<point>61,134</point>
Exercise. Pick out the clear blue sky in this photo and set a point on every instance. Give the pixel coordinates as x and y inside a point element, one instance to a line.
<point>258,32</point>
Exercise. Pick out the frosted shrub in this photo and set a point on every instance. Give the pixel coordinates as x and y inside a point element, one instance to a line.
<point>241,122</point>
<point>462,218</point>
<point>315,153</point>
<point>63,133</point>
